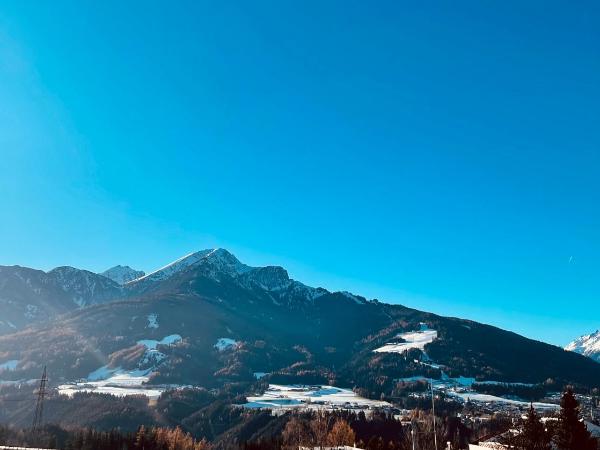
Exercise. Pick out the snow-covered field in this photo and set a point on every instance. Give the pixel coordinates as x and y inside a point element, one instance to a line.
<point>485,398</point>
<point>119,382</point>
<point>461,388</point>
<point>116,382</point>
<point>413,339</point>
<point>311,397</point>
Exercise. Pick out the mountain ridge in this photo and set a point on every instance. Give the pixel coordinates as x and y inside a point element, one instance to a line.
<point>281,326</point>
<point>29,295</point>
<point>587,345</point>
<point>33,295</point>
<point>122,274</point>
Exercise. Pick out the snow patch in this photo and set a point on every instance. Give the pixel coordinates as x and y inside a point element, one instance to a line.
<point>152,355</point>
<point>225,344</point>
<point>101,374</point>
<point>152,321</point>
<point>414,339</point>
<point>9,365</point>
<point>151,344</point>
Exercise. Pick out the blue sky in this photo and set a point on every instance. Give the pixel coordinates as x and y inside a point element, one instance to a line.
<point>441,155</point>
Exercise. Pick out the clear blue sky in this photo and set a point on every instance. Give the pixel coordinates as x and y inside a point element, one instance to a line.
<point>444,155</point>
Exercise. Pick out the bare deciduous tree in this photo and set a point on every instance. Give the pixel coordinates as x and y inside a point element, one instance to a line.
<point>341,434</point>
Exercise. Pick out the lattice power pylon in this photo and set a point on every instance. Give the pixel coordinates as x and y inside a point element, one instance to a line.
<point>39,406</point>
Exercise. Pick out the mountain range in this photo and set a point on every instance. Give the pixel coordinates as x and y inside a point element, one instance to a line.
<point>587,345</point>
<point>229,321</point>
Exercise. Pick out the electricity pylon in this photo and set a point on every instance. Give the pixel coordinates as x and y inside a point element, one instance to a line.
<point>39,406</point>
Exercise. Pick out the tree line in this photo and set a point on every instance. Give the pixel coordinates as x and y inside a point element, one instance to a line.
<point>318,429</point>
<point>566,432</point>
<point>53,437</point>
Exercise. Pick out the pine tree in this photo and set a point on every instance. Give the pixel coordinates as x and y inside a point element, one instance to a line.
<point>534,436</point>
<point>572,433</point>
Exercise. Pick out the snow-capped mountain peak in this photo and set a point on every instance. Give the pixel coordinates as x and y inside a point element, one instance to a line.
<point>218,262</point>
<point>122,274</point>
<point>175,267</point>
<point>588,345</point>
<point>224,261</point>
<point>218,259</point>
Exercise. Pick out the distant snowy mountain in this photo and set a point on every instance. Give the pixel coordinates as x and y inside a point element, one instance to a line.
<point>28,295</point>
<point>176,266</point>
<point>219,263</point>
<point>236,320</point>
<point>588,345</point>
<point>85,288</point>
<point>122,274</point>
